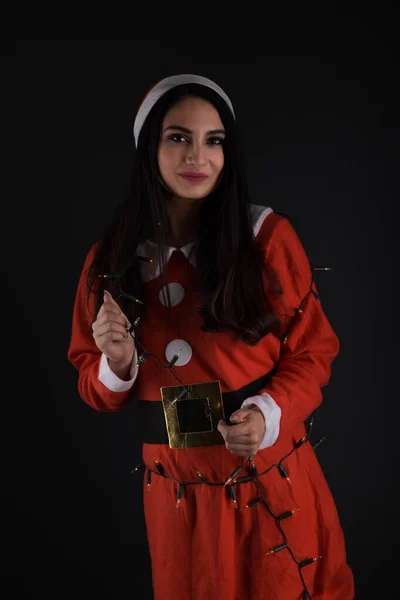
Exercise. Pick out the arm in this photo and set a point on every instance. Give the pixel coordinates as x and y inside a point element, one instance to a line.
<point>304,364</point>
<point>98,385</point>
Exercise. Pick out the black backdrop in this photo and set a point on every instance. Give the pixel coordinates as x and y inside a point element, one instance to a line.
<point>319,133</point>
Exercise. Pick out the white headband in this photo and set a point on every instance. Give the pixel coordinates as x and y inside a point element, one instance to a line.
<point>162,87</point>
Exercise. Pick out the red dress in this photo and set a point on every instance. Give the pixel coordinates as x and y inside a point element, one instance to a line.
<point>219,543</point>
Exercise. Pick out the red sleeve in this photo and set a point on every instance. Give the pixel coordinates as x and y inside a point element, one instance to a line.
<point>304,364</point>
<point>84,354</point>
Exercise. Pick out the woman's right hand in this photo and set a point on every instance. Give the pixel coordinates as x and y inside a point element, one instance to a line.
<point>111,335</point>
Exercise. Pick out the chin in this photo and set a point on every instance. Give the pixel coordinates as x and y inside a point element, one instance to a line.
<point>192,194</point>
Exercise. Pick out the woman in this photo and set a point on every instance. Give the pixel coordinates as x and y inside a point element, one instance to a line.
<point>202,305</point>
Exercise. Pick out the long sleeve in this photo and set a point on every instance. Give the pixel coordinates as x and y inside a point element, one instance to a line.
<point>98,386</point>
<point>304,364</point>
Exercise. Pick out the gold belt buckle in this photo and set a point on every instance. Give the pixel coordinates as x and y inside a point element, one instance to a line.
<point>192,414</point>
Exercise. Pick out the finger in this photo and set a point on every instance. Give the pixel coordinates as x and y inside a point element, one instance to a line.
<point>223,428</point>
<point>110,308</point>
<point>109,327</point>
<point>240,439</point>
<point>247,449</point>
<point>249,441</point>
<point>240,415</point>
<point>111,336</point>
<point>241,430</point>
<point>111,304</point>
<point>107,297</point>
<point>111,317</point>
<point>240,448</point>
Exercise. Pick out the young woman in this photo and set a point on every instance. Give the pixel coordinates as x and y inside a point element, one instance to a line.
<point>201,306</point>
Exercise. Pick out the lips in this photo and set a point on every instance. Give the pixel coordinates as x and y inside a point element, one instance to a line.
<point>194,177</point>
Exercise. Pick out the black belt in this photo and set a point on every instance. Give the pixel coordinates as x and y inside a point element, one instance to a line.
<point>151,413</point>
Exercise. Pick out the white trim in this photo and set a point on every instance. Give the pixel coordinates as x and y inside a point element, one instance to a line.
<point>272,416</point>
<point>259,214</point>
<point>110,379</point>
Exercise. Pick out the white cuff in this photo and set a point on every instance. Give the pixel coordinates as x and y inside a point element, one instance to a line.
<point>272,415</point>
<point>110,379</point>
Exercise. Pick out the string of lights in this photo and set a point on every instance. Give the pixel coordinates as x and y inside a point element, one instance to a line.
<point>300,309</point>
<point>233,480</point>
<point>253,475</point>
<point>231,484</point>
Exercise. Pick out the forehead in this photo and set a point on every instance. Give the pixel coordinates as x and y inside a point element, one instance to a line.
<point>191,112</point>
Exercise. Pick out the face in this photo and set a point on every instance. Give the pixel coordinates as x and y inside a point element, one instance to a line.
<point>190,154</point>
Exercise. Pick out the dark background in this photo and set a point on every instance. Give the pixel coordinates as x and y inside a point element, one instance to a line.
<point>315,102</point>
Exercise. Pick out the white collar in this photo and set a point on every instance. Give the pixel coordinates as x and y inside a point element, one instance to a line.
<point>149,249</point>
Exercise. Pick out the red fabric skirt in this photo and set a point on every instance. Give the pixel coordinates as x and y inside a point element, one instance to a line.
<point>217,544</point>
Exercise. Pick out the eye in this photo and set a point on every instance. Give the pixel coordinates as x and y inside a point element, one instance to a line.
<point>178,138</point>
<point>215,141</point>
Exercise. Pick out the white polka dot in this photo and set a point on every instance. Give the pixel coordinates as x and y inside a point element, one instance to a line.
<point>176,292</point>
<point>179,347</point>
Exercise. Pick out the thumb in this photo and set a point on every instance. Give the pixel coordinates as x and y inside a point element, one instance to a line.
<point>107,297</point>
<point>222,428</point>
<point>239,416</point>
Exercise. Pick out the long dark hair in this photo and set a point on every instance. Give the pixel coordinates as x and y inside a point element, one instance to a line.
<point>234,278</point>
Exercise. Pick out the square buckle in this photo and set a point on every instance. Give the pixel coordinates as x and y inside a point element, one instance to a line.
<point>192,414</point>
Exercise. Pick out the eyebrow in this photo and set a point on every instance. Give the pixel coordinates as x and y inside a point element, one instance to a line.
<point>185,130</point>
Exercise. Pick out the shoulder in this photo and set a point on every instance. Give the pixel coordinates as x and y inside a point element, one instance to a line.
<point>270,227</point>
<point>267,223</point>
<point>259,215</point>
<point>279,240</point>
<point>91,253</point>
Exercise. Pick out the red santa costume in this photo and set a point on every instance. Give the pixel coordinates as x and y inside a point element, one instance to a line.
<point>273,531</point>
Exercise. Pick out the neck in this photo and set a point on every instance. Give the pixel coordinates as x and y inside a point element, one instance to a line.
<point>183,215</point>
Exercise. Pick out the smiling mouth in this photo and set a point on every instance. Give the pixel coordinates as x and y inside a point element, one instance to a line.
<point>194,177</point>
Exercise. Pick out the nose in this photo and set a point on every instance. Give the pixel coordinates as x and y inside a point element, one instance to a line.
<point>196,154</point>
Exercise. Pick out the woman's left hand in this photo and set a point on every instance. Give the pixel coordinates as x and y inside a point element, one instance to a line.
<point>245,437</point>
